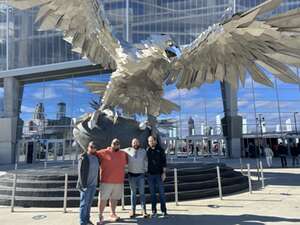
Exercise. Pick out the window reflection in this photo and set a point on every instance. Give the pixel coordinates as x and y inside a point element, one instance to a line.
<point>184,20</point>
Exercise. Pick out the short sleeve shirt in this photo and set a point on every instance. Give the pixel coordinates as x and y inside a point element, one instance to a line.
<point>93,170</point>
<point>112,166</point>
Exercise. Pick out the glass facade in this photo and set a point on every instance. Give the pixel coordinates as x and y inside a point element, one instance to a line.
<point>22,45</point>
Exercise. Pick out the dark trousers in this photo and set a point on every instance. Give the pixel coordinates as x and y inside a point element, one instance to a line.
<point>155,182</point>
<point>295,160</point>
<point>283,161</point>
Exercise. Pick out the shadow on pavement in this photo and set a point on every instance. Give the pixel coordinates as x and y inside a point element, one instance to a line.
<point>282,179</point>
<point>246,219</point>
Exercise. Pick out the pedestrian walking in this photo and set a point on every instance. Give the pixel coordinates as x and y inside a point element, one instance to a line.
<point>269,155</point>
<point>295,154</point>
<point>282,150</point>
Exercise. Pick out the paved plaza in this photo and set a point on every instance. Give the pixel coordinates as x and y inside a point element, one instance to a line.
<point>278,203</point>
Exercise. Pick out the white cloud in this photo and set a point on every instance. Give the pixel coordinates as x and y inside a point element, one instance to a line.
<point>79,89</point>
<point>26,109</point>
<point>45,93</point>
<point>174,94</point>
<point>82,110</point>
<point>69,85</point>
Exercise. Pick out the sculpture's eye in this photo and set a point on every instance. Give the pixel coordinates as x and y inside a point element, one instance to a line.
<point>170,43</point>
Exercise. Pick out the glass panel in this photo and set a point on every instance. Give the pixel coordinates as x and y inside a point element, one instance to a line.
<point>1,102</point>
<point>51,151</point>
<point>48,107</point>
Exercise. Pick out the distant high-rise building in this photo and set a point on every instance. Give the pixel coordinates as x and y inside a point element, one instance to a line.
<point>191,126</point>
<point>278,128</point>
<point>39,112</point>
<point>245,126</point>
<point>61,110</point>
<point>202,128</point>
<point>288,124</point>
<point>218,125</point>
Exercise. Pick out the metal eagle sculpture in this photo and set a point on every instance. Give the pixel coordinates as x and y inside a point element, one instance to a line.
<point>225,52</point>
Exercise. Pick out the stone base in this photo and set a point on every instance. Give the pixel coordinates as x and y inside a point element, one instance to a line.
<point>8,137</point>
<point>46,189</point>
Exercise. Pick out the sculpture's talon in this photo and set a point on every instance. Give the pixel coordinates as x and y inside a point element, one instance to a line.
<point>92,123</point>
<point>116,116</point>
<point>143,125</point>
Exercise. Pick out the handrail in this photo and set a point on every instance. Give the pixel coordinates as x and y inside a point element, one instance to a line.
<point>172,182</point>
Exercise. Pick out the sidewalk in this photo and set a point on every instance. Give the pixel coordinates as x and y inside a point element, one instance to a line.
<point>277,204</point>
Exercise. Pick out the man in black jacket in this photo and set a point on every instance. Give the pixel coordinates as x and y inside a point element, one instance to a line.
<point>156,174</point>
<point>282,150</point>
<point>88,170</point>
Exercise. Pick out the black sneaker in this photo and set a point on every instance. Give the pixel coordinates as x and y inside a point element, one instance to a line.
<point>90,223</point>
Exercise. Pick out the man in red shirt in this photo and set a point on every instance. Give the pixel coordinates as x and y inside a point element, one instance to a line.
<point>112,172</point>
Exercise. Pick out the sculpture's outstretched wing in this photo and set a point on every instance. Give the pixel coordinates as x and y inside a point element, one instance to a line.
<point>138,87</point>
<point>83,25</point>
<point>227,51</point>
<point>137,84</point>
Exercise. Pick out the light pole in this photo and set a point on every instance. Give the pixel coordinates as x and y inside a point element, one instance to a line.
<point>260,119</point>
<point>295,121</point>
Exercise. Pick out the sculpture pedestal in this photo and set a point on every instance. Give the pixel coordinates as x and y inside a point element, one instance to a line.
<point>8,140</point>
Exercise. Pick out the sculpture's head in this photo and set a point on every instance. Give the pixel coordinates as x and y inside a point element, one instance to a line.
<point>166,43</point>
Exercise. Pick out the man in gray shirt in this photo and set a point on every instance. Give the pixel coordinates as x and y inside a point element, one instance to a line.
<point>137,167</point>
<point>88,170</point>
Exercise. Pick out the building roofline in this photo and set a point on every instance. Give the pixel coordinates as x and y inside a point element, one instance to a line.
<point>57,71</point>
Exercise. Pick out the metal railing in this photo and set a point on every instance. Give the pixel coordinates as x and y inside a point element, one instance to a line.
<point>174,182</point>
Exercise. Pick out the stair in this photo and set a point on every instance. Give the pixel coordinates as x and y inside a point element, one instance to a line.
<point>194,182</point>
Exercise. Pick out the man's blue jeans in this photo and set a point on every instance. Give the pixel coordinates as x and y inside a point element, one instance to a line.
<point>137,182</point>
<point>155,182</point>
<point>86,200</point>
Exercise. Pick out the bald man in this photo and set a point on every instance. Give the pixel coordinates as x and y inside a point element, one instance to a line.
<point>137,167</point>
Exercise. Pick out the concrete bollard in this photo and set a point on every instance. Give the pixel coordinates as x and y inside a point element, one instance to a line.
<point>242,167</point>
<point>262,175</point>
<point>257,168</point>
<point>219,183</point>
<point>249,178</point>
<point>176,186</point>
<point>13,195</point>
<point>66,193</point>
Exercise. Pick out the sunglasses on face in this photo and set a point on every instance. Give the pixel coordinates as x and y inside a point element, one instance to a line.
<point>116,143</point>
<point>92,146</point>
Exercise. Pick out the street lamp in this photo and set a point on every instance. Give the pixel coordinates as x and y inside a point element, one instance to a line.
<point>260,121</point>
<point>295,121</point>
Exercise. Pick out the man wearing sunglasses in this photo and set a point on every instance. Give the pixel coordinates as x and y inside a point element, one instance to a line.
<point>88,168</point>
<point>112,172</point>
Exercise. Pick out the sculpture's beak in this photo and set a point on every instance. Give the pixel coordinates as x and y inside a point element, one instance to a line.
<point>173,51</point>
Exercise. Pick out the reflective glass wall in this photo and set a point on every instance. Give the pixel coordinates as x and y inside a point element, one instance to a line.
<point>21,45</point>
